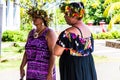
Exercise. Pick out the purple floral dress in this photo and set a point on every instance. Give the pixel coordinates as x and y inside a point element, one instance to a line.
<point>38,56</point>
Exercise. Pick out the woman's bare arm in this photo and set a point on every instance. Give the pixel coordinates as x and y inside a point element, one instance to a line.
<point>51,38</point>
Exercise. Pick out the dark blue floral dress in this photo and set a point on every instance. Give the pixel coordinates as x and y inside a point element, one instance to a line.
<point>76,62</point>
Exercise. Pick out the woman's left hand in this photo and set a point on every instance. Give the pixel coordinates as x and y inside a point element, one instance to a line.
<point>50,76</point>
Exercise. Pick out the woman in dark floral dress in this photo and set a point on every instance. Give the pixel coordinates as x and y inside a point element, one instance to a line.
<point>75,46</point>
<point>39,49</point>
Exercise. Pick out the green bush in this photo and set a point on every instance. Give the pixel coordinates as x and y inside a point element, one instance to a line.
<point>95,36</point>
<point>116,34</point>
<point>14,36</point>
<point>107,35</point>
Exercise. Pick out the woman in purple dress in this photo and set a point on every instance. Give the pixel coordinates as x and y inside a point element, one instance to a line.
<point>39,49</point>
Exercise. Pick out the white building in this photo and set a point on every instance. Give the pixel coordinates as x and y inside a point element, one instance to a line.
<point>9,15</point>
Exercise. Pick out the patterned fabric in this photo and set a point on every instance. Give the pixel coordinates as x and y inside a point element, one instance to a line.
<point>38,56</point>
<point>76,61</point>
<point>78,46</point>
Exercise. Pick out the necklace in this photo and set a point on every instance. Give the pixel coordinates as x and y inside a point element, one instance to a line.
<point>36,34</point>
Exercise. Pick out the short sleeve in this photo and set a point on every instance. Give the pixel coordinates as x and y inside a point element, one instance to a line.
<point>63,40</point>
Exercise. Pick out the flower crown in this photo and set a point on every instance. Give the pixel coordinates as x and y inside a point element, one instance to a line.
<point>35,12</point>
<point>72,11</point>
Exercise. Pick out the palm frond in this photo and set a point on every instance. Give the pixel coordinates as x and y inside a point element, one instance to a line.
<point>115,0</point>
<point>107,2</point>
<point>110,8</point>
<point>115,19</point>
<point>106,12</point>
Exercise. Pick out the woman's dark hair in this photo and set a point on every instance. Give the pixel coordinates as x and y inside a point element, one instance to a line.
<point>45,23</point>
<point>77,4</point>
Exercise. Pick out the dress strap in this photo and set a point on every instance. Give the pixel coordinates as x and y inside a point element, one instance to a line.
<point>79,31</point>
<point>45,31</point>
<point>31,33</point>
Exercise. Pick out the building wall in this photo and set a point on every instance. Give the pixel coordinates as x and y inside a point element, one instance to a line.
<point>11,15</point>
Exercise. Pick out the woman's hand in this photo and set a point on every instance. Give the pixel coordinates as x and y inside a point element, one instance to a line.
<point>24,61</point>
<point>50,76</point>
<point>22,73</point>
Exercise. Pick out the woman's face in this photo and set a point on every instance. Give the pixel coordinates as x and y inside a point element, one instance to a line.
<point>70,20</point>
<point>37,21</point>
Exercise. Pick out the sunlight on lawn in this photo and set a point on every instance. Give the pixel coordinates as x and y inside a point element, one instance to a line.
<point>11,58</point>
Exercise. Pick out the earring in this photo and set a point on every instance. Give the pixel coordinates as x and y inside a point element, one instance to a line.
<point>42,24</point>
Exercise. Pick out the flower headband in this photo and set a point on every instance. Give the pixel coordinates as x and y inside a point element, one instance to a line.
<point>72,10</point>
<point>34,12</point>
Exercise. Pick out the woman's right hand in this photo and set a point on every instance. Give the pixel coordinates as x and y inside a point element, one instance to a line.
<point>22,73</point>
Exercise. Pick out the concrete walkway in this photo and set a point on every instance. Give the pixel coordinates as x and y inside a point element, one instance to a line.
<point>110,68</point>
<point>106,70</point>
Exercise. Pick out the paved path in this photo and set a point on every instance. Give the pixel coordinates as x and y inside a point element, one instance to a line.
<point>108,70</point>
<point>9,75</point>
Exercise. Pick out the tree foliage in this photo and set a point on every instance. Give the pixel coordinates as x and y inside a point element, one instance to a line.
<point>96,11</point>
<point>112,10</point>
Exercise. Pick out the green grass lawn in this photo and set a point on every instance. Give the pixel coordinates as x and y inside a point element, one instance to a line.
<point>10,64</point>
<point>15,63</point>
<point>11,58</point>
